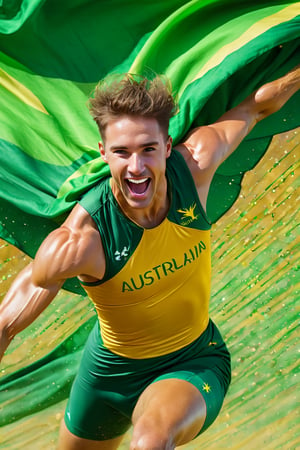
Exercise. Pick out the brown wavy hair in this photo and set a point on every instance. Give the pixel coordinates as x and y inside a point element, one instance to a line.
<point>132,95</point>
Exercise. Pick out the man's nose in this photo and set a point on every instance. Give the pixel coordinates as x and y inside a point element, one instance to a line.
<point>136,164</point>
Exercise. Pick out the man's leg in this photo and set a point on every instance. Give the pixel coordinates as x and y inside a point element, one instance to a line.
<point>68,441</point>
<point>169,412</point>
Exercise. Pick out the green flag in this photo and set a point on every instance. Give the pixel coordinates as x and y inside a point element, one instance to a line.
<point>214,52</point>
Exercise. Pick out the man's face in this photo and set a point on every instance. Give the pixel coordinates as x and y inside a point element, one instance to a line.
<point>136,150</point>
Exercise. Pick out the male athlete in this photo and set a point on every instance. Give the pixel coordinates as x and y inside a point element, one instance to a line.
<point>139,242</point>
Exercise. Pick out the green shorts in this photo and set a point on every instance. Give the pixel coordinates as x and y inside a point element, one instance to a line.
<point>107,386</point>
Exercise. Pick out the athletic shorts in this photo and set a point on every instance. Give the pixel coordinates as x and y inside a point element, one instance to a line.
<point>107,386</point>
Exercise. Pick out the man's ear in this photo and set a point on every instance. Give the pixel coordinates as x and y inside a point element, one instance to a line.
<point>102,151</point>
<point>169,146</point>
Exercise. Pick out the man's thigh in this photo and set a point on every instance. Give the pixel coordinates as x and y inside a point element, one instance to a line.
<point>69,441</point>
<point>208,369</point>
<point>170,412</point>
<point>88,415</point>
<point>209,386</point>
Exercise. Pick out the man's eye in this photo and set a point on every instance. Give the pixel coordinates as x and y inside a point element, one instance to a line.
<point>120,152</point>
<point>149,149</point>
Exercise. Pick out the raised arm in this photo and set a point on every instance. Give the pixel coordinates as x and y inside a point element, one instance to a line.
<point>74,249</point>
<point>207,147</point>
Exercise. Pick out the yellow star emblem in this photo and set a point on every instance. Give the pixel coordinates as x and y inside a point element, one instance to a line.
<point>206,387</point>
<point>189,212</point>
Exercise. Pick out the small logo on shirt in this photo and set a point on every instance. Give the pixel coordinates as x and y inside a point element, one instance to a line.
<point>121,255</point>
<point>188,214</point>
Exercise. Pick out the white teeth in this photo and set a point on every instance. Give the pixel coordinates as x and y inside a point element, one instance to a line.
<point>141,180</point>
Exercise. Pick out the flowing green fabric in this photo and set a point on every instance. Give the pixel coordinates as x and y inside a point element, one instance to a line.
<point>52,54</point>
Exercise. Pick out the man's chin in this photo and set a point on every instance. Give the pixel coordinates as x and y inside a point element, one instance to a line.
<point>137,204</point>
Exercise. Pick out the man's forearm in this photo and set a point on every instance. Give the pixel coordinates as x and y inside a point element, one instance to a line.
<point>4,342</point>
<point>272,96</point>
<point>22,305</point>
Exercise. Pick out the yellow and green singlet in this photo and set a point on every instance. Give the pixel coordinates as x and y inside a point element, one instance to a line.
<point>154,296</point>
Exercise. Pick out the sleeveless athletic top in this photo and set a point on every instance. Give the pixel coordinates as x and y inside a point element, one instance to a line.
<point>154,296</point>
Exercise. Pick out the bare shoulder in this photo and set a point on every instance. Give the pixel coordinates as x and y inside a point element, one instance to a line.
<point>206,147</point>
<point>73,249</point>
<point>202,151</point>
<point>200,147</point>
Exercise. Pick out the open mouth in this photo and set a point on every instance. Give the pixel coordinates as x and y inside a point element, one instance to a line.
<point>138,186</point>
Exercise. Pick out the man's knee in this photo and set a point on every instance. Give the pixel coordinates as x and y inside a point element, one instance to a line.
<point>150,435</point>
<point>150,441</point>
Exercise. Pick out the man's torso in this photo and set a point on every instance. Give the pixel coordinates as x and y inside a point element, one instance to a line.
<point>154,296</point>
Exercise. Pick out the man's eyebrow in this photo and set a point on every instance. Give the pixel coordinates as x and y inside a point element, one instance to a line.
<point>123,147</point>
<point>118,147</point>
<point>149,144</point>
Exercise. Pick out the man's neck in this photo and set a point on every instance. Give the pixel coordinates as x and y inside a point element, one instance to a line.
<point>145,217</point>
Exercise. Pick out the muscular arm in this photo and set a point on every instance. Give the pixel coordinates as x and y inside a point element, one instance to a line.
<point>22,305</point>
<point>207,147</point>
<point>74,249</point>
